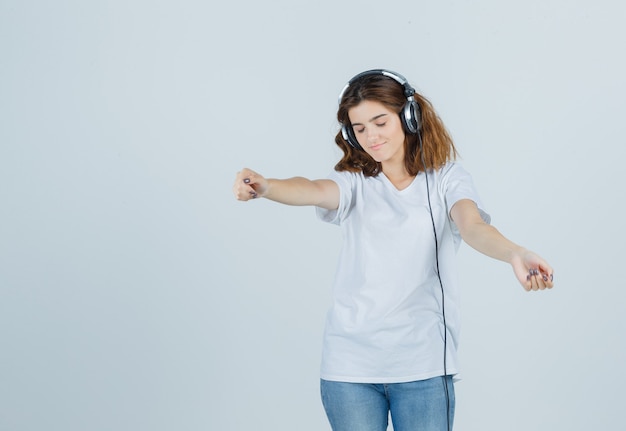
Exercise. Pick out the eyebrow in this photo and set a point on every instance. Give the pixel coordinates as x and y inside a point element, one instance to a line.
<point>371,119</point>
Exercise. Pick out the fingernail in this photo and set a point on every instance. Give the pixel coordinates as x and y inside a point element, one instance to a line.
<point>551,277</point>
<point>247,180</point>
<point>528,277</point>
<point>545,277</point>
<point>254,195</point>
<point>535,272</point>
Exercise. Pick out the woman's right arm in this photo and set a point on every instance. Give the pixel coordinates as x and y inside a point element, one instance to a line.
<point>293,191</point>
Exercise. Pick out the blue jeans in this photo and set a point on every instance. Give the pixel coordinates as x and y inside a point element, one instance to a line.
<point>419,405</point>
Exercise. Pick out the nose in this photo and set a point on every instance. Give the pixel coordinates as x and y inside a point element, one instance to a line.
<point>372,134</point>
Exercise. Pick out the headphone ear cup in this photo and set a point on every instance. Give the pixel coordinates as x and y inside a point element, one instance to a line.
<point>348,136</point>
<point>411,117</point>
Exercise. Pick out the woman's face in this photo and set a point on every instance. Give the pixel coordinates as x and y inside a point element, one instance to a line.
<point>379,131</point>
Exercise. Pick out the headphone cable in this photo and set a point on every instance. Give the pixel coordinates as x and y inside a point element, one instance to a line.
<point>443,307</point>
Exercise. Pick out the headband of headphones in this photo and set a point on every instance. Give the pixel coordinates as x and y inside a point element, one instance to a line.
<point>410,115</point>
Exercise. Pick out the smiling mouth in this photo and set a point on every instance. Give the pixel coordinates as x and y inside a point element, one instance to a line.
<point>376,147</point>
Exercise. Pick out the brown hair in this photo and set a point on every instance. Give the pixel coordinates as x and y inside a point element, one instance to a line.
<point>436,142</point>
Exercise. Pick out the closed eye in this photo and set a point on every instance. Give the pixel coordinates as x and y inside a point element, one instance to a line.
<point>360,128</point>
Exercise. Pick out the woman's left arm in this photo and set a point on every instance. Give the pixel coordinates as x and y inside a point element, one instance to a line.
<point>532,271</point>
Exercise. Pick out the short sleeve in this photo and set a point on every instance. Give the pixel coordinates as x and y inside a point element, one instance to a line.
<point>457,184</point>
<point>345,181</point>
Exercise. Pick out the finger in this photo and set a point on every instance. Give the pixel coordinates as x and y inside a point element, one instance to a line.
<point>528,284</point>
<point>548,279</point>
<point>248,176</point>
<point>544,274</point>
<point>244,192</point>
<point>532,277</point>
<point>545,271</point>
<point>237,189</point>
<point>244,185</point>
<point>541,280</point>
<point>541,284</point>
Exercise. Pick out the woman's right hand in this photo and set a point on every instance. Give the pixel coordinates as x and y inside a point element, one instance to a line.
<point>249,185</point>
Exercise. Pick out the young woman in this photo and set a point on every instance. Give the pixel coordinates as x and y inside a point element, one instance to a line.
<point>404,204</point>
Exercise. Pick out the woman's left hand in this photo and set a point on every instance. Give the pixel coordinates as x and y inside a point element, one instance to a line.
<point>532,271</point>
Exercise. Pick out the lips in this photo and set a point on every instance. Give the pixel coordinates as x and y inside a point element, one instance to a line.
<point>376,147</point>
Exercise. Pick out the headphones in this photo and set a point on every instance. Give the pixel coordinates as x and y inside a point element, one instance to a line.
<point>410,115</point>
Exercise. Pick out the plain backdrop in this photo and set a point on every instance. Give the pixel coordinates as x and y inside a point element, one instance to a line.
<point>137,294</point>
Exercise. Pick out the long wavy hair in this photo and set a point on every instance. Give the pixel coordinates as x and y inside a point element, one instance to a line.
<point>436,143</point>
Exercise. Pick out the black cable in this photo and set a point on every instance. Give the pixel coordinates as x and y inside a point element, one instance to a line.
<point>443,306</point>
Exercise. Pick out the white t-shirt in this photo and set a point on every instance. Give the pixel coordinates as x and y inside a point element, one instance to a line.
<point>386,323</point>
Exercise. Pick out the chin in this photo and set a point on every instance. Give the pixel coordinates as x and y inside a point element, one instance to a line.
<point>377,157</point>
<point>380,159</point>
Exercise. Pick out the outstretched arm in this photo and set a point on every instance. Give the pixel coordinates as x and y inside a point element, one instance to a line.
<point>532,271</point>
<point>293,191</point>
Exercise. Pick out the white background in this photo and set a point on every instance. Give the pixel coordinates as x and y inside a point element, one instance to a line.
<point>136,293</point>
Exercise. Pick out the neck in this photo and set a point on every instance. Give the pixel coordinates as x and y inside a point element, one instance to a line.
<point>396,171</point>
<point>398,175</point>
